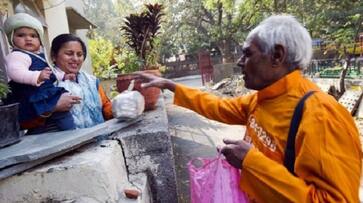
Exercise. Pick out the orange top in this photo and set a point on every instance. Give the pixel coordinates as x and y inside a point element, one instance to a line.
<point>106,104</point>
<point>328,151</point>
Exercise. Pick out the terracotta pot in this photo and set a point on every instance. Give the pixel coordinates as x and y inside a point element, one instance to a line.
<point>151,94</point>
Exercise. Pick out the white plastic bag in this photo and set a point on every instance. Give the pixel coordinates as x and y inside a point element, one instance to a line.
<point>128,104</point>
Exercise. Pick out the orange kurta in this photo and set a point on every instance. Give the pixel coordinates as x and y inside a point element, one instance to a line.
<point>106,104</point>
<point>328,152</point>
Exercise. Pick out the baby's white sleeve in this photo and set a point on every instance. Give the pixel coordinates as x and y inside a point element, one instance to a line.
<point>17,69</point>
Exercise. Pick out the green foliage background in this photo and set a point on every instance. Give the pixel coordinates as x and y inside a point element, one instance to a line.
<point>191,25</point>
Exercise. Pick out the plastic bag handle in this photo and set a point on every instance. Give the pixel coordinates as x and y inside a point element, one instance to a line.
<point>205,162</point>
<point>131,85</point>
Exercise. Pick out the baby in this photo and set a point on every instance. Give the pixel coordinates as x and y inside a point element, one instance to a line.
<point>31,78</point>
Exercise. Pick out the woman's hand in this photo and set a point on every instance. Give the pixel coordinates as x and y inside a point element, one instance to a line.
<point>235,151</point>
<point>155,81</point>
<point>66,102</point>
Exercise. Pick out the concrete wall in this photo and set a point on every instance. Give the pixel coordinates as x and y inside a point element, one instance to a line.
<point>56,18</point>
<point>148,149</point>
<point>76,4</point>
<point>96,171</point>
<point>139,157</point>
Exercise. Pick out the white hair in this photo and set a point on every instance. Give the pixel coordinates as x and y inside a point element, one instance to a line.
<point>288,32</point>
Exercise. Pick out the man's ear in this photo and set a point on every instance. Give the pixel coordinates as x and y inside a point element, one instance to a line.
<point>278,55</point>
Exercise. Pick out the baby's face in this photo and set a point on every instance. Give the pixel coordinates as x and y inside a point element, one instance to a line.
<point>27,39</point>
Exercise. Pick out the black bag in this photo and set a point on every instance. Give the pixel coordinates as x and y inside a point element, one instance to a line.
<point>289,159</point>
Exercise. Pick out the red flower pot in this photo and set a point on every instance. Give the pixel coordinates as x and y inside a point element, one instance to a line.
<point>151,94</point>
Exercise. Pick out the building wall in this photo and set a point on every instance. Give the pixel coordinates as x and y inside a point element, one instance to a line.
<point>82,33</point>
<point>76,4</point>
<point>5,10</point>
<point>87,64</point>
<point>55,17</point>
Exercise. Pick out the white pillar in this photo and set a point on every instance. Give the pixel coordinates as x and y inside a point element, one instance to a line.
<point>56,17</point>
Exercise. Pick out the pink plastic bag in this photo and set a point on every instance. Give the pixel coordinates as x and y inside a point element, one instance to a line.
<point>216,181</point>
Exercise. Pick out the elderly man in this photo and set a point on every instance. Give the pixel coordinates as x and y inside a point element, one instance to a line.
<point>324,164</point>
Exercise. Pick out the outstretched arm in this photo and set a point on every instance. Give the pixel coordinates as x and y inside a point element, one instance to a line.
<point>155,81</point>
<point>231,111</point>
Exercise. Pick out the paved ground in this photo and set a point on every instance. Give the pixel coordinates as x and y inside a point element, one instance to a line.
<point>194,136</point>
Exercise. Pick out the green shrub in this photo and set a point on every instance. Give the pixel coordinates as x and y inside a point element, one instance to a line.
<point>127,62</point>
<point>4,90</point>
<point>141,30</point>
<point>101,51</point>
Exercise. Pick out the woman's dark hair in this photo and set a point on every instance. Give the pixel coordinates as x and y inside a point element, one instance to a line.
<point>61,39</point>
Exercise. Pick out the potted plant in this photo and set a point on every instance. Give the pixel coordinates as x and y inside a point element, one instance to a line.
<point>140,31</point>
<point>9,128</point>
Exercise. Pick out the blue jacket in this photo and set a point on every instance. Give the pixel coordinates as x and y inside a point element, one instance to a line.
<point>35,101</point>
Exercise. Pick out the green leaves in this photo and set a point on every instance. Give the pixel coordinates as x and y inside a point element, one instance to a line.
<point>227,5</point>
<point>190,25</point>
<point>101,51</point>
<point>4,90</point>
<point>140,30</point>
<point>126,62</point>
<point>109,61</point>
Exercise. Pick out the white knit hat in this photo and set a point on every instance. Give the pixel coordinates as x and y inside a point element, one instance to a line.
<point>25,20</point>
<point>22,20</point>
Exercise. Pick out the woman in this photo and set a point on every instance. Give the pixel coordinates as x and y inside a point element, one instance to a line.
<point>31,79</point>
<point>68,53</point>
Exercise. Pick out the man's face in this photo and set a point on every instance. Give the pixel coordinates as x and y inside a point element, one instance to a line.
<point>255,65</point>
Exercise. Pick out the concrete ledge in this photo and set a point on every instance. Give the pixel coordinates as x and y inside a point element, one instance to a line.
<point>140,158</point>
<point>147,148</point>
<point>94,173</point>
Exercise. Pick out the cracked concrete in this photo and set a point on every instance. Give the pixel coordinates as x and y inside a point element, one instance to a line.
<point>150,151</point>
<point>95,171</point>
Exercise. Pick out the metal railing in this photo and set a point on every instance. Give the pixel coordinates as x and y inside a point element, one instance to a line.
<point>333,67</point>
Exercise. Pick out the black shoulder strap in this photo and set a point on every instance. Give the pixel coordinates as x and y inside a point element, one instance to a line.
<point>289,160</point>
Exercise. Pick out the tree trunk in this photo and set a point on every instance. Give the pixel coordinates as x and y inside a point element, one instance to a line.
<point>343,74</point>
<point>348,58</point>
<point>226,47</point>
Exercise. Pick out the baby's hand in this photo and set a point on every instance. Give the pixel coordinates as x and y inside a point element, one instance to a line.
<point>44,74</point>
<point>70,76</point>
